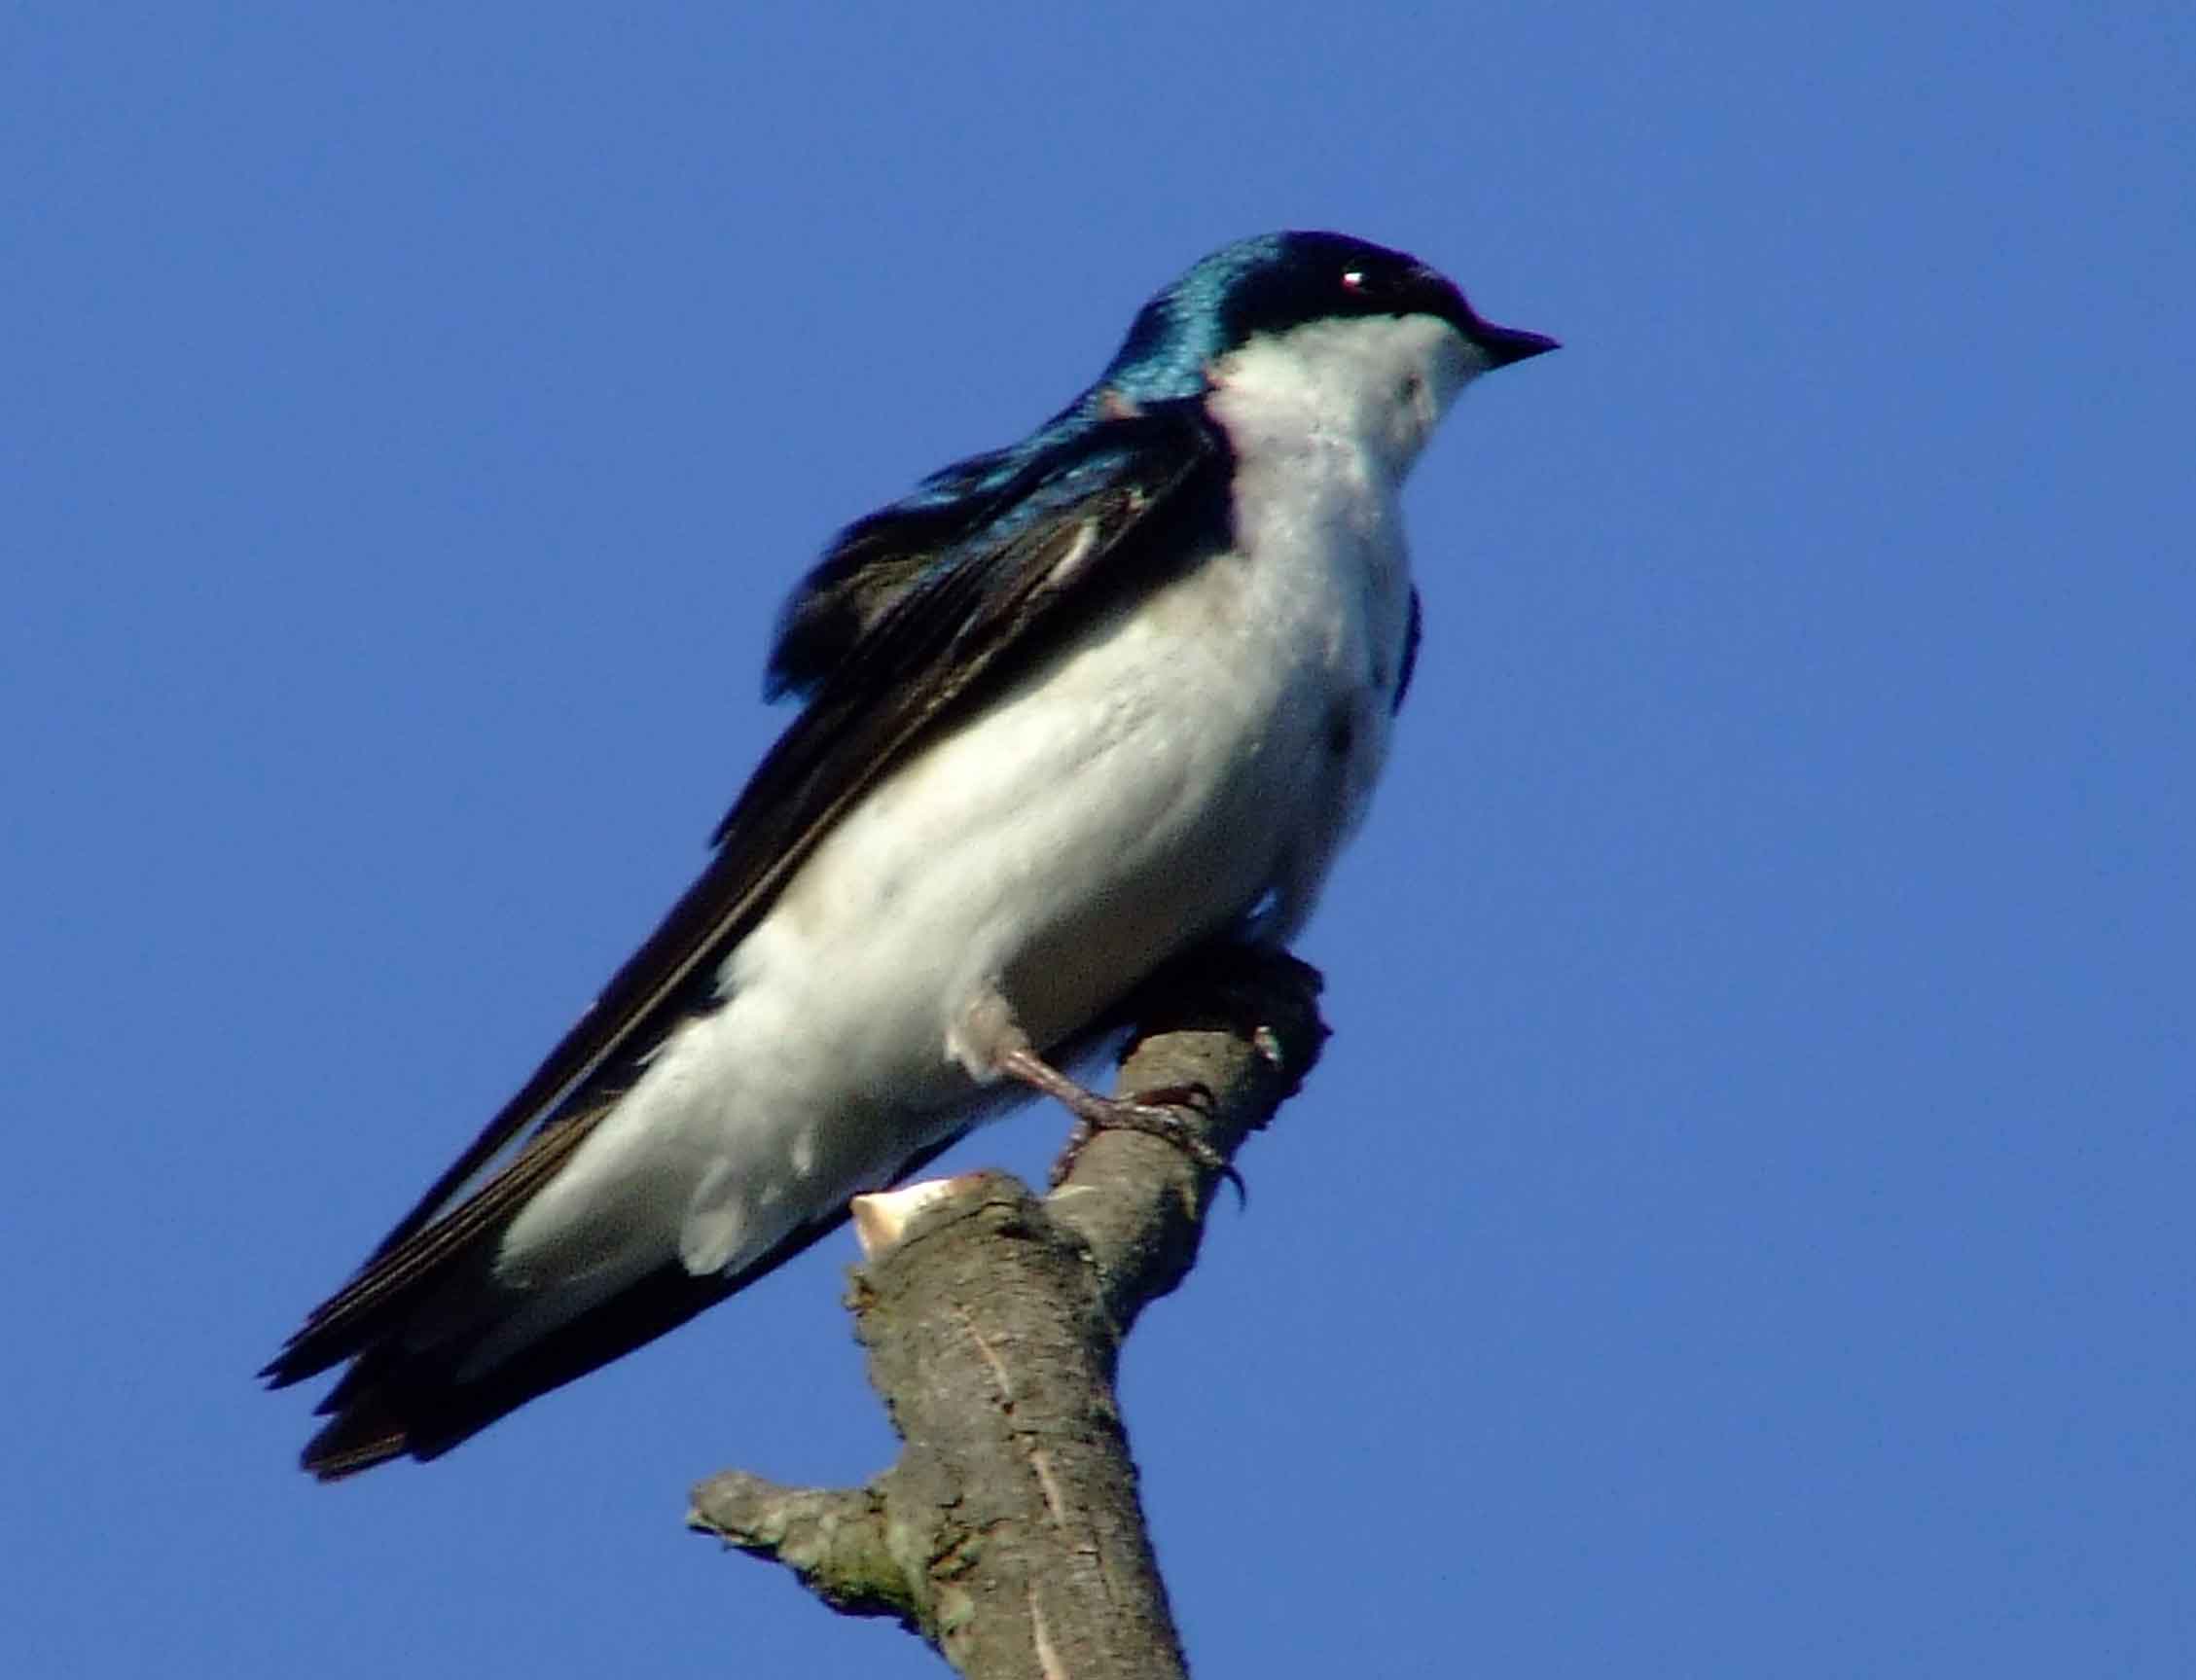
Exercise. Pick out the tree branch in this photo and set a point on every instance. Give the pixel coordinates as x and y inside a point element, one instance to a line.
<point>1009,1534</point>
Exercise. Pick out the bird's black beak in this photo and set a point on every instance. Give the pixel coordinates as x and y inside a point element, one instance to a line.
<point>1506,344</point>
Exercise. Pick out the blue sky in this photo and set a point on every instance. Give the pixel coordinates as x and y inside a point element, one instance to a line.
<point>1742,1222</point>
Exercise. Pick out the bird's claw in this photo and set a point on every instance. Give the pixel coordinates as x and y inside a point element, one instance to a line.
<point>1154,1114</point>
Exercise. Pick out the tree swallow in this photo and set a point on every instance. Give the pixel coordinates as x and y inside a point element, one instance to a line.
<point>1072,708</point>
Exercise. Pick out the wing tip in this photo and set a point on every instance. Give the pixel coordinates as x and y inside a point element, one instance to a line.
<point>336,1460</point>
<point>371,1425</point>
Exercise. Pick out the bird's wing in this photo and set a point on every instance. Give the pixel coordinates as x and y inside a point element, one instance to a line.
<point>948,615</point>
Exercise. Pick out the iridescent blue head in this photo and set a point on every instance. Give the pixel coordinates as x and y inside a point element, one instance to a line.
<point>1277,282</point>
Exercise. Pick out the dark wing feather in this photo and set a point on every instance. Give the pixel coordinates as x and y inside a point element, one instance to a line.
<point>872,562</point>
<point>1108,509</point>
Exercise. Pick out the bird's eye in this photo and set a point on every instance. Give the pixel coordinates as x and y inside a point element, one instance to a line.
<point>1353,279</point>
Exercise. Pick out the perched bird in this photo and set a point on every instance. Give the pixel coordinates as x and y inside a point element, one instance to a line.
<point>1073,708</point>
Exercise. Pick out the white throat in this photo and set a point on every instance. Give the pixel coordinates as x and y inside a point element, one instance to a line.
<point>1380,382</point>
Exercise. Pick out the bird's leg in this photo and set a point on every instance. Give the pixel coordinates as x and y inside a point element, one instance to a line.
<point>1150,1111</point>
<point>989,1037</point>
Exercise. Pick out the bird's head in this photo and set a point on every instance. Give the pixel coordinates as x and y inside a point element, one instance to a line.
<point>1378,333</point>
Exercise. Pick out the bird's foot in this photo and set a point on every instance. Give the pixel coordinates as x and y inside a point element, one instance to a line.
<point>1154,1113</point>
